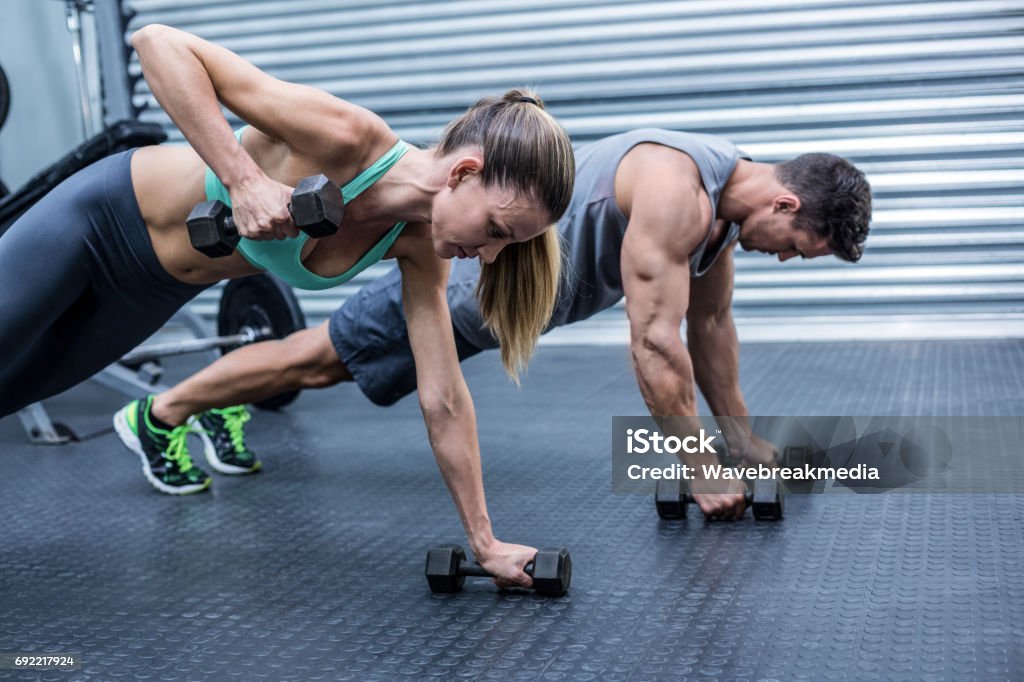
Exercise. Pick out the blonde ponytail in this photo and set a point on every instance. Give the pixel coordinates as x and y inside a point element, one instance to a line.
<point>517,294</point>
<point>526,150</point>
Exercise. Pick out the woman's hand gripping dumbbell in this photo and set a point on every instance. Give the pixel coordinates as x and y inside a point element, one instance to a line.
<point>447,568</point>
<point>316,208</point>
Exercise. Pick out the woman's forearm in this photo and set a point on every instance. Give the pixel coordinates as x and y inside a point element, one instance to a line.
<point>451,427</point>
<point>172,63</point>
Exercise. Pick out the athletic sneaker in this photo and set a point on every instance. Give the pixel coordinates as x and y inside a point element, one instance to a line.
<point>164,453</point>
<point>224,440</point>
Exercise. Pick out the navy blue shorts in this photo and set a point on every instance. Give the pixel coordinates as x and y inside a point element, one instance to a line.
<point>370,335</point>
<point>80,284</point>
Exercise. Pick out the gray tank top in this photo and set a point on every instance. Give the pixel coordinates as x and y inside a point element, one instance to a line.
<point>593,225</point>
<point>593,228</point>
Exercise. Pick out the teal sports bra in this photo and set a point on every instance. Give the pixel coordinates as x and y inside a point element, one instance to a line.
<point>283,257</point>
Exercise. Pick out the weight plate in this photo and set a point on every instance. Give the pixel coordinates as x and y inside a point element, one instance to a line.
<point>261,301</point>
<point>5,97</point>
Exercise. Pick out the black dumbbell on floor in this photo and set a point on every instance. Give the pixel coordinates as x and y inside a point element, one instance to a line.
<point>316,207</point>
<point>447,568</point>
<point>671,498</point>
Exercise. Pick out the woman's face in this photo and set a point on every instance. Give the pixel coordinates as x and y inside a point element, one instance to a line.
<point>470,220</point>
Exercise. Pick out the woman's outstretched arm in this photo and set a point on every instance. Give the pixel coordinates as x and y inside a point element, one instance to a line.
<point>449,415</point>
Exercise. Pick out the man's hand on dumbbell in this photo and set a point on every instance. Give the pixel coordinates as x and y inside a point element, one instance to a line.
<point>754,452</point>
<point>506,562</point>
<point>716,499</point>
<point>720,499</point>
<point>260,209</point>
<point>744,448</point>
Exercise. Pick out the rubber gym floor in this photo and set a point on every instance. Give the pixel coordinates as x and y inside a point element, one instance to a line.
<point>313,569</point>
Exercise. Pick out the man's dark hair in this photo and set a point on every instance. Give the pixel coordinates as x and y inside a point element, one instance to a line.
<point>835,200</point>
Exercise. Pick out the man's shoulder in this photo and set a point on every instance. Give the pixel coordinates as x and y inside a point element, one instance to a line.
<point>667,200</point>
<point>654,164</point>
<point>653,173</point>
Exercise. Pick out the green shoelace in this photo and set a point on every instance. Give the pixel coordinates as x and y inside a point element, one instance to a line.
<point>177,448</point>
<point>234,419</point>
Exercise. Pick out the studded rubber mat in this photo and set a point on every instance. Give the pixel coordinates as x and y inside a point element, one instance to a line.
<point>313,569</point>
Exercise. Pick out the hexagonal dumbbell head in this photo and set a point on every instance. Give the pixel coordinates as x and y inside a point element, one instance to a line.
<point>211,229</point>
<point>317,206</point>
<point>767,500</point>
<point>670,498</point>
<point>552,572</point>
<point>794,456</point>
<point>443,564</point>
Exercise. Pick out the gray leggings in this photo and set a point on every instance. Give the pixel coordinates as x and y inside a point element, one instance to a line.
<point>80,285</point>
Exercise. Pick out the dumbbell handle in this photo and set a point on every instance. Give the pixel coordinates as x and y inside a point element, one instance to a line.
<point>476,569</point>
<point>232,229</point>
<point>748,498</point>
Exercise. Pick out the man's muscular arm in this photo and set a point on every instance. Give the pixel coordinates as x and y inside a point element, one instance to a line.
<point>714,347</point>
<point>656,281</point>
<point>664,227</point>
<point>711,337</point>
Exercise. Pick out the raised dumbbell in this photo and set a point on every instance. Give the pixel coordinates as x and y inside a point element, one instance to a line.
<point>766,500</point>
<point>447,568</point>
<point>316,207</point>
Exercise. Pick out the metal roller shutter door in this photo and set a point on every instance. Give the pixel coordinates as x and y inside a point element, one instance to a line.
<point>925,96</point>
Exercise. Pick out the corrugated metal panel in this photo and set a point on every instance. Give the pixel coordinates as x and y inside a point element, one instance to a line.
<point>925,96</point>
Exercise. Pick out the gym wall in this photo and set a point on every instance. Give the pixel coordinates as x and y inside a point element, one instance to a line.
<point>45,120</point>
<point>926,96</point>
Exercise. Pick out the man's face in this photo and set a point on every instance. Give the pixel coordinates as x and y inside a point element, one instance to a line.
<point>774,232</point>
